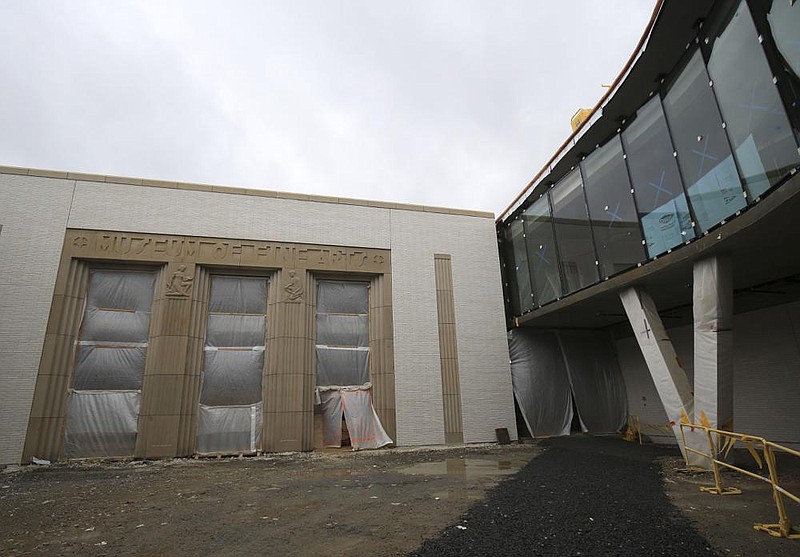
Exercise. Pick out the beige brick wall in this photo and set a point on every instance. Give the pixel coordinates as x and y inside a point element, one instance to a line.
<point>33,213</point>
<point>413,236</point>
<point>485,377</point>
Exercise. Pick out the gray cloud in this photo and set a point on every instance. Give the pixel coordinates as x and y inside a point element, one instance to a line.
<point>438,103</point>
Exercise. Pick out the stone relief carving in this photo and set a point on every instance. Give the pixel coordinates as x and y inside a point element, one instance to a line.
<point>179,284</point>
<point>250,253</point>
<point>294,289</point>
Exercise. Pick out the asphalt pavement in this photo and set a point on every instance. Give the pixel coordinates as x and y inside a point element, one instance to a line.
<point>583,495</point>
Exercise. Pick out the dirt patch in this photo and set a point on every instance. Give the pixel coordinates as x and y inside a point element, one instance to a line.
<point>726,521</point>
<point>340,503</point>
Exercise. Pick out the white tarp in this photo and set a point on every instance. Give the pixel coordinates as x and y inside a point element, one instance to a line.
<point>549,370</point>
<point>101,424</point>
<point>342,366</point>
<point>342,341</point>
<point>230,412</point>
<point>713,342</point>
<point>109,368</point>
<point>103,405</point>
<point>540,382</point>
<point>229,429</point>
<point>663,364</point>
<point>596,380</point>
<point>363,424</point>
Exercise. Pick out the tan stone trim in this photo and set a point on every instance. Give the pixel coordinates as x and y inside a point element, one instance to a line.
<point>170,392</point>
<point>85,177</point>
<point>448,349</point>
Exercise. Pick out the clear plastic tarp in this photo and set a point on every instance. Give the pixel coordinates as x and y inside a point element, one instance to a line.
<point>342,366</point>
<point>235,330</point>
<point>229,429</point>
<point>363,424</point>
<point>230,413</point>
<point>114,325</point>
<point>342,330</point>
<point>110,357</point>
<point>238,295</point>
<point>540,382</point>
<point>596,380</point>
<point>342,345</point>
<point>232,377</point>
<point>101,423</point>
<point>551,369</point>
<point>342,297</point>
<point>115,368</point>
<point>121,290</point>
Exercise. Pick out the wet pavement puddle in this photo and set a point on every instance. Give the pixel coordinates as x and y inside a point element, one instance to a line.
<point>467,468</point>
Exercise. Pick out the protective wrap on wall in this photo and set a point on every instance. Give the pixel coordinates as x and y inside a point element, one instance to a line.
<point>713,341</point>
<point>227,429</point>
<point>230,413</point>
<point>540,381</point>
<point>104,399</point>
<point>101,423</point>
<point>342,345</point>
<point>596,380</point>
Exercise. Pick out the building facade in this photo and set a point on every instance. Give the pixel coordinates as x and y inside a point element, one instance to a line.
<point>667,226</point>
<point>152,319</point>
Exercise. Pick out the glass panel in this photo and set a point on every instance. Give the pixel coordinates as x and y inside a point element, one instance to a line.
<point>573,233</point>
<point>704,155</point>
<point>784,20</point>
<point>611,209</point>
<point>517,270</point>
<point>542,256</point>
<point>656,181</point>
<point>784,23</point>
<point>755,120</point>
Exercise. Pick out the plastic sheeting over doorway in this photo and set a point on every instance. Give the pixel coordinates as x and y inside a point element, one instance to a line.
<point>355,403</point>
<point>342,348</point>
<point>550,369</point>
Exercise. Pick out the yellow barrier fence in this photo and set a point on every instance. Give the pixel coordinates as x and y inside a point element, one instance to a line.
<point>720,443</point>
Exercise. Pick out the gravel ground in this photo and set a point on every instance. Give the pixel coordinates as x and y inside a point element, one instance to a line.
<point>581,496</point>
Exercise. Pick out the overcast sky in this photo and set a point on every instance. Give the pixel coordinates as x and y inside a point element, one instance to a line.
<point>453,103</point>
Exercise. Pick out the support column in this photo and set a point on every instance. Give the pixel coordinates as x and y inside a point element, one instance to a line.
<point>713,342</point>
<point>662,361</point>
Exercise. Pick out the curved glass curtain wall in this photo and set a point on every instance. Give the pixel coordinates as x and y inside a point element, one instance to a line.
<point>612,212</point>
<point>573,234</point>
<point>516,270</point>
<point>718,139</point>
<point>755,119</point>
<point>657,188</point>
<point>542,254</point>
<point>703,153</point>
